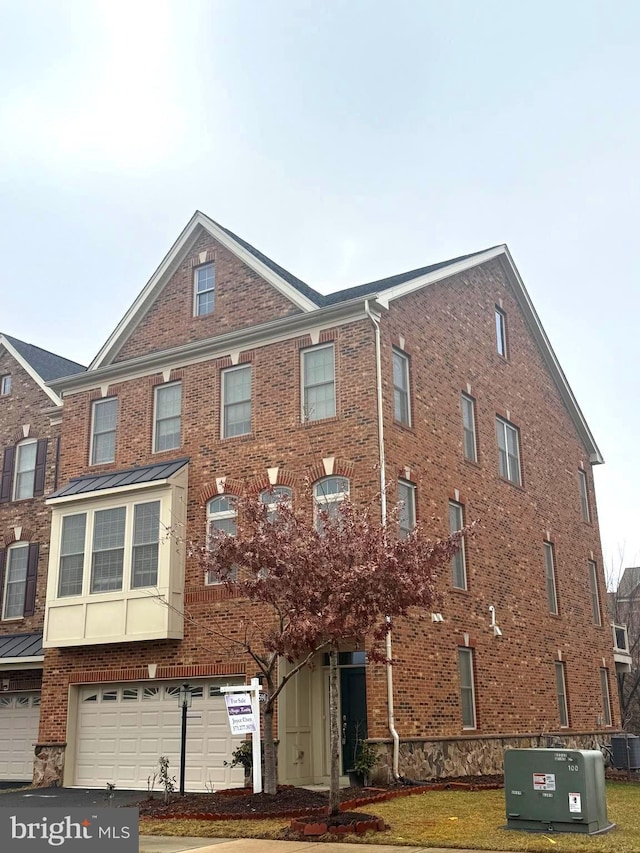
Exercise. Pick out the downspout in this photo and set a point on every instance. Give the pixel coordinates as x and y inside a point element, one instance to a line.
<point>383,512</point>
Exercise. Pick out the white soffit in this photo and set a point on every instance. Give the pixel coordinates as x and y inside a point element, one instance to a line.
<point>167,267</point>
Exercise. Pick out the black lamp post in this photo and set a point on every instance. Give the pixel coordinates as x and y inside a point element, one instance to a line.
<point>184,703</point>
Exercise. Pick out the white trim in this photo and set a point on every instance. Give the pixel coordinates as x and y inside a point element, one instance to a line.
<point>24,443</point>
<point>33,662</point>
<point>468,654</point>
<point>32,373</point>
<point>92,435</point>
<point>223,374</point>
<point>196,270</point>
<point>304,415</point>
<point>168,266</point>
<point>406,374</point>
<point>156,391</point>
<point>15,546</point>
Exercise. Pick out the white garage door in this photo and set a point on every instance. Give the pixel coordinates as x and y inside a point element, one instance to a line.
<point>123,729</point>
<point>19,718</point>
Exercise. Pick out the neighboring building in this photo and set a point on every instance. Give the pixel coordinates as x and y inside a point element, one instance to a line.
<point>229,373</point>
<point>624,611</point>
<point>29,435</point>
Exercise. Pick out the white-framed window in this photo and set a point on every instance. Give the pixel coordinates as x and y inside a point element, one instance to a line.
<point>606,701</point>
<point>328,494</point>
<point>25,470</point>
<point>458,561</point>
<point>103,431</point>
<point>221,516</point>
<point>584,495</point>
<point>167,416</point>
<point>401,388</point>
<point>406,507</point>
<point>508,451</point>
<point>469,428</point>
<point>318,383</point>
<point>467,688</point>
<point>15,584</point>
<point>561,693</point>
<point>109,550</point>
<point>274,498</point>
<point>5,385</point>
<point>204,284</point>
<point>595,595</point>
<point>501,332</point>
<point>550,577</point>
<point>236,401</point>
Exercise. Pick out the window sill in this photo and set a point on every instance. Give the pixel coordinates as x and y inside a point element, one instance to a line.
<point>406,427</point>
<point>13,618</point>
<point>518,486</point>
<point>459,590</point>
<point>308,423</point>
<point>246,436</point>
<point>472,463</point>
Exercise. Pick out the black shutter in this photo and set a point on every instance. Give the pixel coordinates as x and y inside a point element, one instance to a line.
<point>7,474</point>
<point>32,577</point>
<point>3,554</point>
<point>41,461</point>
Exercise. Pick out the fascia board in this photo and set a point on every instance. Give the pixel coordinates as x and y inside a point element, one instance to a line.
<point>391,293</point>
<point>256,336</point>
<point>32,662</point>
<point>167,267</point>
<point>550,359</point>
<point>24,364</point>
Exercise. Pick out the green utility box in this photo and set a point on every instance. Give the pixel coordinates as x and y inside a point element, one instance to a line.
<point>555,790</point>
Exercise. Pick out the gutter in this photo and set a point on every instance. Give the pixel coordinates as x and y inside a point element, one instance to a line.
<point>383,512</point>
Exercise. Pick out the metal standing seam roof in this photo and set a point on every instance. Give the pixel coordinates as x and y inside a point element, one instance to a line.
<point>118,479</point>
<point>21,646</point>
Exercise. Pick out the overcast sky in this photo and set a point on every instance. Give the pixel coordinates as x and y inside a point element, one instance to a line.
<point>348,141</point>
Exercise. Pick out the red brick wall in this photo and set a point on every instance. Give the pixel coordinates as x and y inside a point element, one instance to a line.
<point>26,405</point>
<point>242,298</point>
<point>452,344</point>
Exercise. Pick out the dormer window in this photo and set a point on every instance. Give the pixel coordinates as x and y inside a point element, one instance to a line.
<point>5,385</point>
<point>204,290</point>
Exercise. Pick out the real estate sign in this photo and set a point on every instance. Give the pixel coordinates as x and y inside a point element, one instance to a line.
<point>240,712</point>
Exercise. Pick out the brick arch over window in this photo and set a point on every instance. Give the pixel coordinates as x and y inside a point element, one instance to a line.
<point>229,486</point>
<point>26,535</point>
<point>261,482</point>
<point>7,473</point>
<point>337,468</point>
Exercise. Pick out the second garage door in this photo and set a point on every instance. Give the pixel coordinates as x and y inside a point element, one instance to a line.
<point>123,729</point>
<point>19,718</point>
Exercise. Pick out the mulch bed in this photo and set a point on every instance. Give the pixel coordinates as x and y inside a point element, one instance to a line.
<point>293,802</point>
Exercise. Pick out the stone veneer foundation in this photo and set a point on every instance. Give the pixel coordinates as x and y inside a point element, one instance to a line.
<point>48,766</point>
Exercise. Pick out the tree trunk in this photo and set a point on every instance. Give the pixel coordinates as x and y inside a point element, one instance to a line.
<point>270,770</point>
<point>334,730</point>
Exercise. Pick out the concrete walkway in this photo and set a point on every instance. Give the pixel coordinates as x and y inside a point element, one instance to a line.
<point>165,844</point>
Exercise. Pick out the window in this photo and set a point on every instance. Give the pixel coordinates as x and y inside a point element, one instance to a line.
<point>25,470</point>
<point>328,494</point>
<point>274,498</point>
<point>5,385</point>
<point>501,332</point>
<point>561,692</point>
<point>144,556</point>
<point>606,703</point>
<point>550,575</point>
<point>469,428</point>
<point>458,561</point>
<point>103,431</point>
<point>407,508</point>
<point>236,401</point>
<point>508,451</point>
<point>107,559</point>
<point>584,495</point>
<point>318,383</point>
<point>595,596</point>
<point>204,290</point>
<point>15,586</point>
<point>72,555</point>
<point>467,691</point>
<point>221,516</point>
<point>401,403</point>
<point>168,405</point>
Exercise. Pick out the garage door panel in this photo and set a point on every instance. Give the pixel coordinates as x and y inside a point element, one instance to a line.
<point>121,739</point>
<point>19,719</point>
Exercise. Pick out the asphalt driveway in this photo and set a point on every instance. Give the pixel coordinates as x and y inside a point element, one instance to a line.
<point>68,797</point>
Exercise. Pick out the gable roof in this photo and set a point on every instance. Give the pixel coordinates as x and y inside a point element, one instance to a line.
<point>309,300</point>
<point>41,365</point>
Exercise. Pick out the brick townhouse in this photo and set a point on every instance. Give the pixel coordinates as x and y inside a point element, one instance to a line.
<point>229,373</point>
<point>29,435</point>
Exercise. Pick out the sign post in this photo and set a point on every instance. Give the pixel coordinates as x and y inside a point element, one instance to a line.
<point>243,710</point>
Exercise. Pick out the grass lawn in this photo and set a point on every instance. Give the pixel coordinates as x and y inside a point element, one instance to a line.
<point>446,819</point>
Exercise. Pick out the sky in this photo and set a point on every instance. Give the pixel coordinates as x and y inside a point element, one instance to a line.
<point>348,140</point>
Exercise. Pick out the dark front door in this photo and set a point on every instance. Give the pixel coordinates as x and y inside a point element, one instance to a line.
<point>353,699</point>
